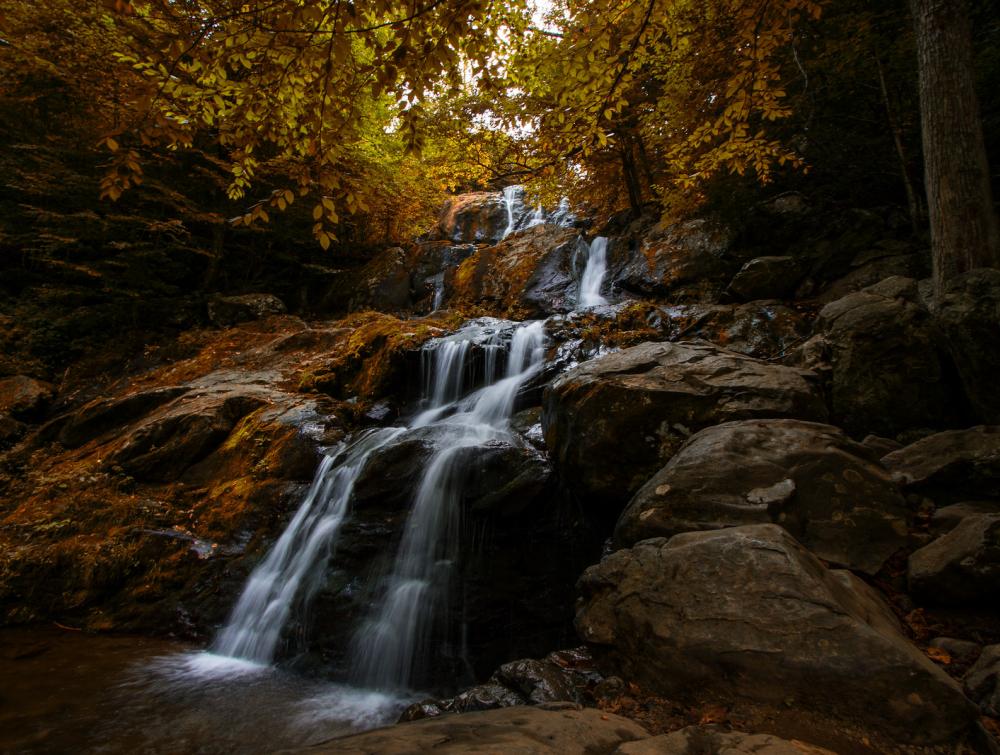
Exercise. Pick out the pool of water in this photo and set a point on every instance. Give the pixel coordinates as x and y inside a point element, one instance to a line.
<point>64,691</point>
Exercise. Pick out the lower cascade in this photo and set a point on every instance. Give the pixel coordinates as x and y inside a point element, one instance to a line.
<point>593,274</point>
<point>394,642</point>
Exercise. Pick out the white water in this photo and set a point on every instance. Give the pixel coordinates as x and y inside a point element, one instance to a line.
<point>521,216</point>
<point>291,572</point>
<point>391,645</point>
<point>593,274</point>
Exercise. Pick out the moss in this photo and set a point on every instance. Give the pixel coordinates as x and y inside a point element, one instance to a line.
<point>369,363</point>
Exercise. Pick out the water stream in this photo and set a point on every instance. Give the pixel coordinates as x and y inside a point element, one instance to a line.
<point>395,642</point>
<point>593,274</point>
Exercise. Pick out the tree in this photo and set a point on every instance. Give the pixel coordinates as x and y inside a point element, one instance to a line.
<point>964,233</point>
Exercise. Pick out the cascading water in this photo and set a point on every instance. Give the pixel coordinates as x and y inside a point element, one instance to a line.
<point>292,571</point>
<point>390,646</point>
<point>593,274</point>
<point>521,216</point>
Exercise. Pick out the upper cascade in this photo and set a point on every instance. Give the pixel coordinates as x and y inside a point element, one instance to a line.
<point>489,217</point>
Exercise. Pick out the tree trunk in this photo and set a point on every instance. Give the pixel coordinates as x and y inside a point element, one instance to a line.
<point>959,199</point>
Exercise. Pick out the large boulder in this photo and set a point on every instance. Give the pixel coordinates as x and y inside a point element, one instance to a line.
<point>748,613</point>
<point>824,488</point>
<point>544,730</point>
<point>952,466</point>
<point>685,261</point>
<point>531,273</point>
<point>501,476</point>
<point>480,217</point>
<point>962,567</point>
<point>612,422</point>
<point>384,283</point>
<point>968,313</point>
<point>765,278</point>
<point>888,372</point>
<point>699,740</point>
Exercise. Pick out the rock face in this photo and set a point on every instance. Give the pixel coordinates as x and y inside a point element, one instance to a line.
<point>230,310</point>
<point>821,486</point>
<point>888,374</point>
<point>686,261</point>
<point>531,273</point>
<point>697,740</point>
<point>548,730</point>
<point>612,422</point>
<point>951,466</point>
<point>502,476</point>
<point>962,567</point>
<point>748,613</point>
<point>765,278</point>
<point>969,315</point>
<point>982,682</point>
<point>478,217</point>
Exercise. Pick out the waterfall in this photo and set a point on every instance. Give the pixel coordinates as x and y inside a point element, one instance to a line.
<point>512,201</point>
<point>593,274</point>
<point>395,638</point>
<point>292,570</point>
<point>520,216</point>
<point>389,647</point>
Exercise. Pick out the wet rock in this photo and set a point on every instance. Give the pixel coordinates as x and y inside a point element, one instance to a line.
<point>538,681</point>
<point>612,422</point>
<point>224,311</point>
<point>700,740</point>
<point>529,274</point>
<point>765,278</point>
<point>748,613</point>
<point>479,217</point>
<point>687,261</point>
<point>969,316</point>
<point>888,375</point>
<point>502,477</point>
<point>23,397</point>
<point>763,329</point>
<point>163,445</point>
<point>982,682</point>
<point>559,730</point>
<point>824,488</point>
<point>962,567</point>
<point>951,466</point>
<point>948,518</point>
<point>961,652</point>
<point>489,696</point>
<point>98,417</point>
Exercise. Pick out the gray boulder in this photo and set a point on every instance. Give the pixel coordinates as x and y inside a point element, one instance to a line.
<point>951,466</point>
<point>960,568</point>
<point>748,613</point>
<point>888,375</point>
<point>825,489</point>
<point>612,422</point>
<point>765,278</point>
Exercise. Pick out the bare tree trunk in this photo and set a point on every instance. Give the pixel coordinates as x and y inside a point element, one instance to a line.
<point>964,232</point>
